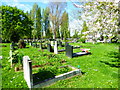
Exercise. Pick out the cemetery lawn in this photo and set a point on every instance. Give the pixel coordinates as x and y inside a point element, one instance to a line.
<point>99,70</point>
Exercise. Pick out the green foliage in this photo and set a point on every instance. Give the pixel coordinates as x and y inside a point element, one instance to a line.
<point>16,57</point>
<point>49,72</point>
<point>56,15</point>
<point>38,22</point>
<point>65,33</point>
<point>15,24</point>
<point>103,18</point>
<point>21,44</point>
<point>46,22</point>
<point>36,17</point>
<point>85,28</point>
<point>75,34</point>
<point>82,40</point>
<point>94,72</point>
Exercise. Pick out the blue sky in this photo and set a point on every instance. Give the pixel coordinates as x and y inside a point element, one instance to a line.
<point>26,5</point>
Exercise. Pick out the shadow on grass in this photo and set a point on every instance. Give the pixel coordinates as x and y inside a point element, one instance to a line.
<point>113,63</point>
<point>41,76</point>
<point>26,47</point>
<point>83,72</point>
<point>113,54</point>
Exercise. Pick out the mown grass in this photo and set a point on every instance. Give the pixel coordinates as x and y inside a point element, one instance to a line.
<point>99,70</point>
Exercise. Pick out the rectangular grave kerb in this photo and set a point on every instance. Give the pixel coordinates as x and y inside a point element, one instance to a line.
<point>27,66</point>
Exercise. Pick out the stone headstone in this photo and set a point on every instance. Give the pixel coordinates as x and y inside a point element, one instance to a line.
<point>30,43</point>
<point>49,48</point>
<point>55,48</point>
<point>60,43</point>
<point>52,43</point>
<point>40,45</point>
<point>69,51</point>
<point>66,43</point>
<point>27,68</point>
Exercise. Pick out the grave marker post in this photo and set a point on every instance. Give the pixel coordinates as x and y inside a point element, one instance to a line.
<point>11,57</point>
<point>55,48</point>
<point>40,44</point>
<point>27,68</point>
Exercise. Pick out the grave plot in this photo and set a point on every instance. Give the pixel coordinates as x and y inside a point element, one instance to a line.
<point>69,52</point>
<point>46,76</point>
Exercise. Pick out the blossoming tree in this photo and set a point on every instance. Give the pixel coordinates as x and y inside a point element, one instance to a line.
<point>101,18</point>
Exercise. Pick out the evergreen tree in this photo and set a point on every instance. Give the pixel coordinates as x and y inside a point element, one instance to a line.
<point>38,23</point>
<point>84,29</point>
<point>36,17</point>
<point>46,22</point>
<point>64,26</point>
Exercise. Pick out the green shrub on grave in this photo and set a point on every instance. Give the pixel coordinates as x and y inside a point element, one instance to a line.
<point>16,57</point>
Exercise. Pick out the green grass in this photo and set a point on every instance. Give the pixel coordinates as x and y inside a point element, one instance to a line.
<point>100,69</point>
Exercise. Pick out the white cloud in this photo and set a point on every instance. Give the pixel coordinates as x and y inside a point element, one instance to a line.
<point>24,7</point>
<point>45,1</point>
<point>13,3</point>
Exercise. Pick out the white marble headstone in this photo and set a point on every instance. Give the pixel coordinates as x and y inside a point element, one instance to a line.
<point>55,48</point>
<point>27,68</point>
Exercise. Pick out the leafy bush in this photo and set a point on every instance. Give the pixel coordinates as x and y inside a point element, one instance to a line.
<point>21,44</point>
<point>16,57</point>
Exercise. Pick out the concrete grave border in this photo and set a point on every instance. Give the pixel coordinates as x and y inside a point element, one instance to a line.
<point>28,76</point>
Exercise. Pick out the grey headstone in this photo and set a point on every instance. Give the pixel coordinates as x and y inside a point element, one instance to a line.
<point>69,51</point>
<point>49,48</point>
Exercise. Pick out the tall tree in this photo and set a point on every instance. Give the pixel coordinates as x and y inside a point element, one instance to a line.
<point>84,29</point>
<point>75,34</point>
<point>15,24</point>
<point>102,18</point>
<point>38,22</point>
<point>36,17</point>
<point>56,10</point>
<point>64,26</point>
<point>46,22</point>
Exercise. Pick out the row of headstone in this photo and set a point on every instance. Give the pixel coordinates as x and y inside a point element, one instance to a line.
<point>55,47</point>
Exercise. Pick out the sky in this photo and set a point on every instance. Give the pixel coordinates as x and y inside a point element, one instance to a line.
<point>26,5</point>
